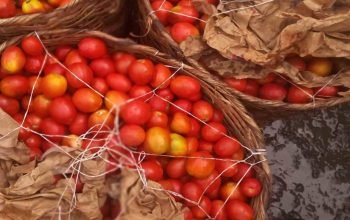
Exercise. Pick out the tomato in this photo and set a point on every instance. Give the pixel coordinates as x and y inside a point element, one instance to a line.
<point>217,211</point>
<point>166,94</point>
<point>188,215</point>
<point>251,187</point>
<point>181,105</point>
<point>252,88</point>
<point>244,171</point>
<point>180,123</point>
<point>162,9</point>
<point>35,82</point>
<point>35,153</point>
<point>185,86</point>
<point>94,145</point>
<point>101,120</point>
<point>238,155</point>
<point>115,99</point>
<point>281,81</point>
<point>100,85</point>
<point>86,100</point>
<point>33,141</point>
<point>178,145</point>
<point>273,91</point>
<point>203,110</point>
<point>267,79</point>
<point>132,135</point>
<point>183,14</point>
<point>7,9</point>
<point>211,183</point>
<point>185,3</point>
<point>203,209</point>
<point>74,56</point>
<point>118,82</point>
<point>53,130</point>
<point>200,165</point>
<point>54,85</point>
<point>140,92</point>
<point>54,68</point>
<point>141,71</point>
<point>205,146</point>
<point>177,187</point>
<point>238,84</point>
<point>136,112</point>
<point>62,51</point>
<point>320,66</point>
<point>161,78</point>
<point>237,209</point>
<point>218,116</point>
<point>176,168</point>
<point>78,184</point>
<point>213,131</point>
<point>40,106</point>
<point>115,210</point>
<point>231,190</point>
<point>195,128</point>
<point>92,48</point>
<point>79,75</point>
<point>297,62</point>
<point>192,144</point>
<point>102,66</point>
<point>182,30</point>
<point>153,170</point>
<point>328,91</point>
<point>158,104</point>
<point>226,168</point>
<point>14,86</point>
<point>62,110</point>
<point>299,94</point>
<point>34,64</point>
<point>72,141</point>
<point>157,140</point>
<point>33,122</point>
<point>9,105</point>
<point>32,6</point>
<point>79,125</point>
<point>32,46</point>
<point>13,59</point>
<point>25,103</point>
<point>123,62</point>
<point>226,147</point>
<point>159,119</point>
<point>192,192</point>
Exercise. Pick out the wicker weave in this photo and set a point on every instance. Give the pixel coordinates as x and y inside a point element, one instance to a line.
<point>81,14</point>
<point>237,119</point>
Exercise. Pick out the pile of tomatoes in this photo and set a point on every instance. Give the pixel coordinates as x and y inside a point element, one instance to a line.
<point>277,88</point>
<point>11,8</point>
<point>181,17</point>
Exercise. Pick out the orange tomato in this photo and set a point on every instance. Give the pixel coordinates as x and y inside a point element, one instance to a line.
<point>181,123</point>
<point>115,99</point>
<point>54,85</point>
<point>157,140</point>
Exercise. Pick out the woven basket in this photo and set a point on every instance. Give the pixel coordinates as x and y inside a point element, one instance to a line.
<point>237,119</point>
<point>154,33</point>
<point>81,14</point>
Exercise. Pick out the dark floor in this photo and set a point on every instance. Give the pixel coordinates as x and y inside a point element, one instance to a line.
<point>309,155</point>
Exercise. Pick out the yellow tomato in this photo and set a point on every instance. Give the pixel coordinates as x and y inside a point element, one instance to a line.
<point>178,146</point>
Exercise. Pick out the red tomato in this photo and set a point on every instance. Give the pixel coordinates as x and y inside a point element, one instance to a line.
<point>213,131</point>
<point>161,76</point>
<point>54,68</point>
<point>237,209</point>
<point>92,48</point>
<point>202,211</point>
<point>180,105</point>
<point>158,119</point>
<point>209,184</point>
<point>217,211</point>
<point>153,170</point>
<point>252,88</point>
<point>176,168</point>
<point>35,153</point>
<point>9,105</point>
<point>192,144</point>
<point>74,56</point>
<point>32,46</point>
<point>7,9</point>
<point>192,192</point>
<point>141,92</point>
<point>206,146</point>
<point>54,85</point>
<point>273,91</point>
<point>33,122</point>
<point>199,165</point>
<point>52,129</point>
<point>25,103</point>
<point>33,141</point>
<point>118,82</point>
<point>132,135</point>
<point>251,187</point>
<point>226,147</point>
<point>136,112</point>
<point>226,167</point>
<point>185,3</point>
<point>203,110</point>
<point>115,99</point>
<point>100,85</point>
<point>101,120</point>
<point>244,171</point>
<point>185,86</point>
<point>62,110</point>
<point>328,91</point>
<point>297,62</point>
<point>195,128</point>
<point>123,62</point>
<point>62,51</point>
<point>238,84</point>
<point>158,104</point>
<point>183,14</point>
<point>299,94</point>
<point>281,81</point>
<point>14,86</point>
<point>188,215</point>
<point>218,116</point>
<point>166,94</point>
<point>35,82</point>
<point>34,64</point>
<point>180,123</point>
<point>162,9</point>
<point>86,100</point>
<point>238,155</point>
<point>231,190</point>
<point>79,75</point>
<point>40,106</point>
<point>13,60</point>
<point>268,79</point>
<point>102,66</point>
<point>182,30</point>
<point>141,72</point>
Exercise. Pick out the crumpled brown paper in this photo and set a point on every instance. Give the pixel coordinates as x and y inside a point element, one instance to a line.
<point>142,203</point>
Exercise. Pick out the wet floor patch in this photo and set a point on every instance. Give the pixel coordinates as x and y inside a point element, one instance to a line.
<point>309,156</point>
